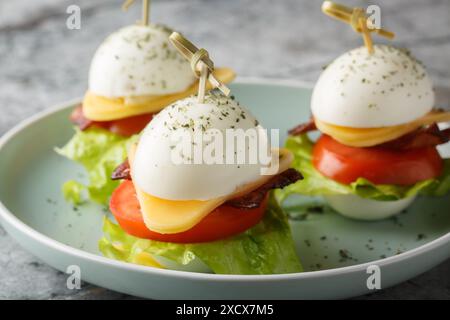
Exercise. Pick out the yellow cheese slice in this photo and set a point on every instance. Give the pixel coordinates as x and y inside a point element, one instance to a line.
<point>367,137</point>
<point>169,216</point>
<point>99,108</point>
<point>165,216</point>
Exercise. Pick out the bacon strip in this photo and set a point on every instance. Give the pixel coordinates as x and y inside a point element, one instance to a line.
<point>303,128</point>
<point>424,137</point>
<point>77,117</point>
<point>122,172</point>
<point>249,201</point>
<point>255,198</point>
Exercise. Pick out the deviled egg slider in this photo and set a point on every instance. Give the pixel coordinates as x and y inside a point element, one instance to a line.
<point>175,202</point>
<point>376,113</point>
<point>135,73</point>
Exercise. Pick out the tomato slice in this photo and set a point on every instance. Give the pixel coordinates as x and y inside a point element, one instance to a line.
<point>124,127</point>
<point>130,126</point>
<point>379,165</point>
<point>223,222</point>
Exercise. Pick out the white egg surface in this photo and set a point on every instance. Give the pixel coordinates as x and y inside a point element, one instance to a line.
<point>203,172</point>
<point>362,90</point>
<point>139,61</point>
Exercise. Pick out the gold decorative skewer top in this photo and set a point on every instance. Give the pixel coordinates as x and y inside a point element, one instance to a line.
<point>357,18</point>
<point>145,10</point>
<point>201,65</point>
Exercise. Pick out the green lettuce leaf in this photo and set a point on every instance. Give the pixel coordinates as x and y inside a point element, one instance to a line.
<point>99,152</point>
<point>267,248</point>
<point>314,183</point>
<point>441,185</point>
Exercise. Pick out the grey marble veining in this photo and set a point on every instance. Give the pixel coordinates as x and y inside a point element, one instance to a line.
<point>42,63</point>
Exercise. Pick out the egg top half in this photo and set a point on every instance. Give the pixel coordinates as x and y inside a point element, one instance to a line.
<point>361,90</point>
<point>157,173</point>
<point>139,61</point>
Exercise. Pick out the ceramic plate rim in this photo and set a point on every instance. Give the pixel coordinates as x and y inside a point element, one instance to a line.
<point>8,217</point>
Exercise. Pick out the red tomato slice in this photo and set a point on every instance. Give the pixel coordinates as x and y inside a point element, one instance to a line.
<point>223,222</point>
<point>130,126</point>
<point>379,165</point>
<point>125,127</point>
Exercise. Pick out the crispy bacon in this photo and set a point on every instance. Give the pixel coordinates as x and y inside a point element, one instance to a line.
<point>303,128</point>
<point>424,137</point>
<point>255,198</point>
<point>77,117</point>
<point>122,172</point>
<point>249,201</point>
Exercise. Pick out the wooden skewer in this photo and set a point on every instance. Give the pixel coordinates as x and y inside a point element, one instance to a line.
<point>359,24</point>
<point>366,35</point>
<point>145,10</point>
<point>202,83</point>
<point>357,18</point>
<point>201,64</point>
<point>127,4</point>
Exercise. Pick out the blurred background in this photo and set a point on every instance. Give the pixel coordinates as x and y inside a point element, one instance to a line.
<point>42,62</point>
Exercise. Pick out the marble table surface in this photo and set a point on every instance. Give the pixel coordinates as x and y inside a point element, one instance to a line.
<point>42,63</point>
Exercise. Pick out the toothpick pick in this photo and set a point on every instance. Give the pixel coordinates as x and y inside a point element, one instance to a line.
<point>145,10</point>
<point>202,83</point>
<point>366,35</point>
<point>201,64</point>
<point>358,21</point>
<point>357,18</point>
<point>127,4</point>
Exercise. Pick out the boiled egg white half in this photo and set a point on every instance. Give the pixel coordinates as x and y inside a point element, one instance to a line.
<point>138,60</point>
<point>355,207</point>
<point>157,173</point>
<point>361,90</point>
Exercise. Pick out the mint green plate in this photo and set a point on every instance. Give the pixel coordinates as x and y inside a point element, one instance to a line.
<point>334,250</point>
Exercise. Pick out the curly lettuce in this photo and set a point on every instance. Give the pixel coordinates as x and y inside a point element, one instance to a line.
<point>314,183</point>
<point>266,248</point>
<point>99,151</point>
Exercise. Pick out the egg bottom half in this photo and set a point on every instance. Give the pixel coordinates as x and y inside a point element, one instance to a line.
<point>355,207</point>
